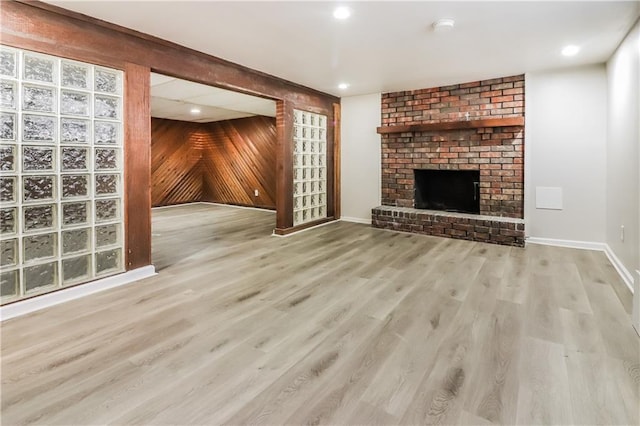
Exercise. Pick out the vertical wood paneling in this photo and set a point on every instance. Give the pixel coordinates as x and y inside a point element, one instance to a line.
<point>137,162</point>
<point>221,162</point>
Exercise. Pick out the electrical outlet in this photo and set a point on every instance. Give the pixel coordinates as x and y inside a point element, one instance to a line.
<point>255,192</point>
<point>622,233</point>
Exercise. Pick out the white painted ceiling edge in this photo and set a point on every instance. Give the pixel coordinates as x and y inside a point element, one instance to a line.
<point>177,99</point>
<point>382,46</point>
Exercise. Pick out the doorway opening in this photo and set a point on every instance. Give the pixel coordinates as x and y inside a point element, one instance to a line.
<point>210,145</point>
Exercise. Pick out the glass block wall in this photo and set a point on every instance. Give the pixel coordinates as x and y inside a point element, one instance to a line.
<point>309,167</point>
<point>61,216</point>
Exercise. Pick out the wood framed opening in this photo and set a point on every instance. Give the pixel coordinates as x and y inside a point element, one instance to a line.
<point>51,30</point>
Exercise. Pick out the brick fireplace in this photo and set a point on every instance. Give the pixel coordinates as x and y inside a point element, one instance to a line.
<point>472,127</point>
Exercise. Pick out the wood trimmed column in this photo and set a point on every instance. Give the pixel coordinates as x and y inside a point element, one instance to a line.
<point>137,166</point>
<point>284,166</point>
<point>336,161</point>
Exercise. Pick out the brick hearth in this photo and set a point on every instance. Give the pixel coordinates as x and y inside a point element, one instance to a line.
<point>496,152</point>
<point>487,229</point>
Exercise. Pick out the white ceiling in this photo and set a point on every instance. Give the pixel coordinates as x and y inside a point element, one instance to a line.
<point>174,99</point>
<point>383,46</point>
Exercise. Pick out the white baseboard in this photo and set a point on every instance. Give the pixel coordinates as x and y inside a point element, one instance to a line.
<point>589,245</point>
<point>635,313</point>
<point>584,245</point>
<point>303,230</point>
<point>356,220</point>
<point>213,204</point>
<point>46,300</point>
<point>622,271</point>
<point>236,207</point>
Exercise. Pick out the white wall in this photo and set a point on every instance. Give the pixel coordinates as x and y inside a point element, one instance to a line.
<point>623,156</point>
<point>360,156</point>
<point>565,147</point>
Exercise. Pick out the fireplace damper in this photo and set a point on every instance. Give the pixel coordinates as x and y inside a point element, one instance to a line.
<point>447,190</point>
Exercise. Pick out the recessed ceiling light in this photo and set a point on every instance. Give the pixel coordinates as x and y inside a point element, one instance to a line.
<point>442,25</point>
<point>570,50</point>
<point>341,12</point>
<point>195,110</point>
<point>343,86</point>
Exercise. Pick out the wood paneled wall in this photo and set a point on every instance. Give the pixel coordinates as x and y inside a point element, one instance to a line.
<point>238,157</point>
<point>222,162</point>
<point>176,169</point>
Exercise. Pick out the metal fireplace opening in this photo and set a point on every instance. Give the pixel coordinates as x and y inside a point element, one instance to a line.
<point>447,190</point>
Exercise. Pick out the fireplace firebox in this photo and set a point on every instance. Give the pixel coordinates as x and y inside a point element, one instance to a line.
<point>447,190</point>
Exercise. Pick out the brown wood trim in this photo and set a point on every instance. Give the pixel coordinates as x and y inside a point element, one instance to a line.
<point>137,158</point>
<point>52,30</point>
<point>159,42</point>
<point>336,161</point>
<point>453,125</point>
<point>284,164</point>
<point>287,231</point>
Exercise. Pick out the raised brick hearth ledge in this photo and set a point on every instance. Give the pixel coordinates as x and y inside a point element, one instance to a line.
<point>489,229</point>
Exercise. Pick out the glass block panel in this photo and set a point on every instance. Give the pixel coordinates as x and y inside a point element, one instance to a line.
<point>76,269</point>
<point>76,240</point>
<point>37,98</point>
<point>8,189</point>
<point>106,107</point>
<point>106,184</point>
<point>106,81</point>
<point>74,158</point>
<point>106,210</point>
<point>7,158</point>
<point>8,63</point>
<point>107,235</point>
<point>9,252</point>
<point>106,159</point>
<point>36,128</point>
<point>39,246</point>
<point>39,276</point>
<point>75,75</point>
<point>38,217</point>
<point>38,68</point>
<point>9,283</point>
<point>74,130</point>
<point>74,103</point>
<point>105,133</point>
<point>8,217</point>
<point>37,158</point>
<point>75,213</point>
<point>37,187</point>
<point>308,161</point>
<point>108,261</point>
<point>75,186</point>
<point>7,126</point>
<point>42,165</point>
<point>8,94</point>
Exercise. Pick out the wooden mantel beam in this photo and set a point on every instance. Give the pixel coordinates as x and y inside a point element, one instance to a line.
<point>453,125</point>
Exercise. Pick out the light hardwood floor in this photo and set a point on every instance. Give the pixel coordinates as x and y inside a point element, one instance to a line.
<point>342,324</point>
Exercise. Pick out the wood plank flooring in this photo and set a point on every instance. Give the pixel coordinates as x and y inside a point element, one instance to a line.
<point>342,324</point>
